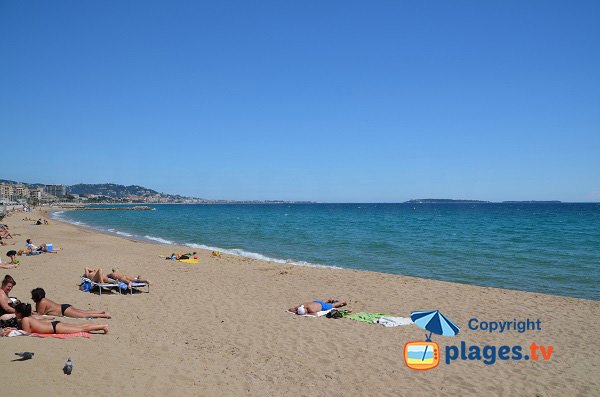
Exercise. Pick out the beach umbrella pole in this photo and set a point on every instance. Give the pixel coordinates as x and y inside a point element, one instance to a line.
<point>426,346</point>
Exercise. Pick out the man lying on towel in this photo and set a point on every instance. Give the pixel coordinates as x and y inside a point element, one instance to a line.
<point>316,306</point>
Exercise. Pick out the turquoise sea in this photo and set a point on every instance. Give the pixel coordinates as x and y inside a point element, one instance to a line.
<point>545,247</point>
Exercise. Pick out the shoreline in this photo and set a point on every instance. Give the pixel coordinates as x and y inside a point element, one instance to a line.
<point>220,328</point>
<point>260,257</point>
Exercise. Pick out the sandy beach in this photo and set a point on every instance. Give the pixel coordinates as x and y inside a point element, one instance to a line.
<point>221,328</point>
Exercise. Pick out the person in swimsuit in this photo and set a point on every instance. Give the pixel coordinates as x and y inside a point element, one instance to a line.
<point>30,324</point>
<point>316,306</point>
<point>6,310</point>
<point>45,306</point>
<point>116,276</point>
<point>97,276</point>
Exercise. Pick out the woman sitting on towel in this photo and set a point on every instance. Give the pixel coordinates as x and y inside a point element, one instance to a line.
<point>48,307</point>
<point>30,324</point>
<point>116,276</point>
<point>316,306</point>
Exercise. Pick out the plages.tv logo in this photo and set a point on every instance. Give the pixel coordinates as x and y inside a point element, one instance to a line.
<point>424,355</point>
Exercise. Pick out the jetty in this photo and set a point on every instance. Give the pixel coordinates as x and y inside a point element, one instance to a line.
<point>136,208</point>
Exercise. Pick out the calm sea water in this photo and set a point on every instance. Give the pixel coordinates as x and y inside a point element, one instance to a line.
<point>551,248</point>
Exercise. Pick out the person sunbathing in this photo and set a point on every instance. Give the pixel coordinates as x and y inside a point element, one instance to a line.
<point>30,324</point>
<point>115,275</point>
<point>34,248</point>
<point>97,276</point>
<point>6,309</point>
<point>316,306</point>
<point>45,306</point>
<point>178,256</point>
<point>4,233</point>
<point>2,242</point>
<point>8,265</point>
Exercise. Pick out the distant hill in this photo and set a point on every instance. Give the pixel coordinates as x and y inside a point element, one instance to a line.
<point>29,185</point>
<point>443,201</point>
<point>110,190</point>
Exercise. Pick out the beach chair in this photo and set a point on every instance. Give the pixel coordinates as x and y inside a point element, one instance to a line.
<point>100,285</point>
<point>138,285</point>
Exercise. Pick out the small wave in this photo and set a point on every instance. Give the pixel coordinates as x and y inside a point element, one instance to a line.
<point>124,234</point>
<point>159,240</point>
<point>260,257</point>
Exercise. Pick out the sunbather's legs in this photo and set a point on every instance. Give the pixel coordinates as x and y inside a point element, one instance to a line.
<point>79,313</point>
<point>339,304</point>
<point>63,328</point>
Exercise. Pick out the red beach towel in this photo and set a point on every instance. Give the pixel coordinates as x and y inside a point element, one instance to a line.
<point>64,336</point>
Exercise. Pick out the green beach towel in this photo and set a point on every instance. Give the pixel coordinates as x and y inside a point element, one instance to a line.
<point>366,317</point>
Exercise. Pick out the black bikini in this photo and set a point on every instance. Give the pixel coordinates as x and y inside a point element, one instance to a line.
<point>64,307</point>
<point>54,325</point>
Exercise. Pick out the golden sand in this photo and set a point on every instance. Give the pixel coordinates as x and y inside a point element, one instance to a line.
<point>220,328</point>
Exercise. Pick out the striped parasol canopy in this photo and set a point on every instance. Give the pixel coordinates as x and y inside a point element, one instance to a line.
<point>434,322</point>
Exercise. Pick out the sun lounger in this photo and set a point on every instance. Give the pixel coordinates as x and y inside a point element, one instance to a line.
<point>118,285</point>
<point>100,285</point>
<point>135,284</point>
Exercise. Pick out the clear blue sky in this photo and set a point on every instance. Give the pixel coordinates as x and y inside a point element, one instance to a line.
<point>339,101</point>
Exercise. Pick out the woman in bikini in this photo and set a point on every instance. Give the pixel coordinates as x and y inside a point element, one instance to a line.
<point>48,307</point>
<point>30,324</point>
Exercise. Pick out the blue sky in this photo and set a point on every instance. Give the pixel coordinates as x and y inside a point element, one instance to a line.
<point>337,101</point>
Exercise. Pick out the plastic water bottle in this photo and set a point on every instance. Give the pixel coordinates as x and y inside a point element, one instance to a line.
<point>68,366</point>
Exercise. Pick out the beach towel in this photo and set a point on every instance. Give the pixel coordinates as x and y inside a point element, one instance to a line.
<point>366,317</point>
<point>393,321</point>
<point>16,332</point>
<point>64,336</point>
<point>317,314</point>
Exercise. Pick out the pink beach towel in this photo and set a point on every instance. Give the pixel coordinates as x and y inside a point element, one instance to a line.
<point>64,336</point>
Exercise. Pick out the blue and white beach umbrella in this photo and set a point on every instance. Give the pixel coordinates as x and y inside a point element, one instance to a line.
<point>434,322</point>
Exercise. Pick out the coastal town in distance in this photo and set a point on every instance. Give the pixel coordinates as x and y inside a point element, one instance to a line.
<point>12,192</point>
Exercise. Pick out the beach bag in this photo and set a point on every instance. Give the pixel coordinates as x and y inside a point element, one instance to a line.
<point>86,286</point>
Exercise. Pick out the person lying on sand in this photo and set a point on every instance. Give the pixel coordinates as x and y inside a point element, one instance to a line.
<point>115,275</point>
<point>2,242</point>
<point>30,324</point>
<point>8,265</point>
<point>4,233</point>
<point>178,256</point>
<point>48,307</point>
<point>316,306</point>
<point>97,276</point>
